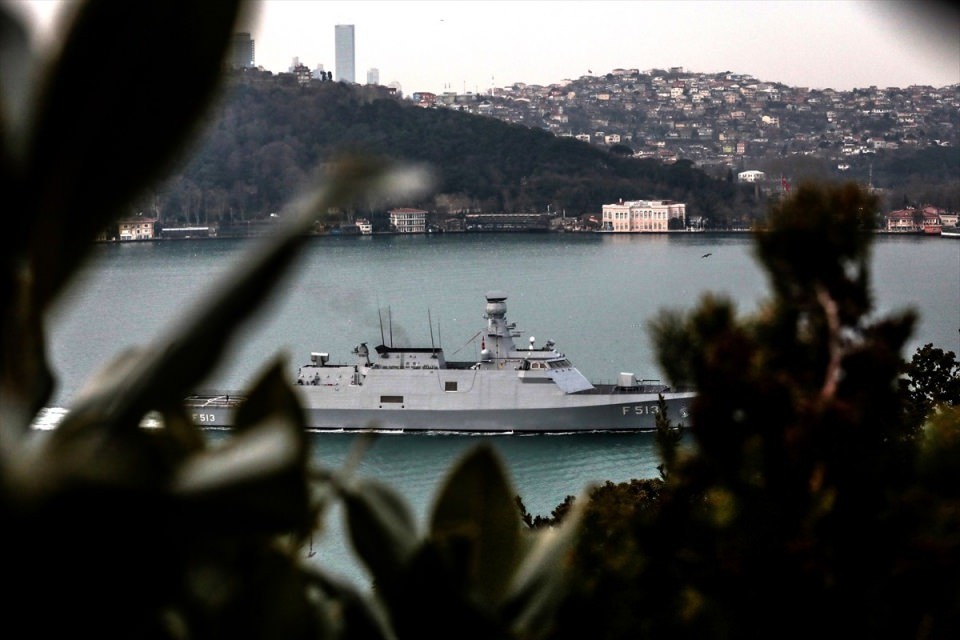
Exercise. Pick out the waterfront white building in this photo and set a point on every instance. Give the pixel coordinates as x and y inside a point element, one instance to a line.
<point>642,216</point>
<point>138,228</point>
<point>406,220</point>
<point>751,176</point>
<point>365,226</point>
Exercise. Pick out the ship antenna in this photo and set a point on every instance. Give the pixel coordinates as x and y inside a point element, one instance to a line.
<point>380,315</point>
<point>390,322</point>
<point>430,322</point>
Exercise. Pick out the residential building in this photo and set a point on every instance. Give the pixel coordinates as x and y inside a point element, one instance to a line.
<point>302,72</point>
<point>642,216</point>
<point>751,176</point>
<point>913,220</point>
<point>406,220</point>
<point>138,228</point>
<point>344,65</point>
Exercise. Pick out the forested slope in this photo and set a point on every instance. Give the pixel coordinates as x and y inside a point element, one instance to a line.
<point>269,134</point>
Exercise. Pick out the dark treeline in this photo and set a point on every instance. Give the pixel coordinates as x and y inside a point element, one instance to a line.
<point>269,131</point>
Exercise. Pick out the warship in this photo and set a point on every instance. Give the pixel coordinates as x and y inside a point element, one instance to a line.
<point>510,388</point>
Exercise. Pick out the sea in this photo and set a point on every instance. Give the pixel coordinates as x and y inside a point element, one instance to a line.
<point>592,294</point>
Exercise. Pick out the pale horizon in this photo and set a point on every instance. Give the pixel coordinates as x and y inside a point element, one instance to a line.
<point>475,46</point>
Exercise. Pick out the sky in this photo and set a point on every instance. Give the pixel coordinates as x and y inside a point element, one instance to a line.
<point>461,45</point>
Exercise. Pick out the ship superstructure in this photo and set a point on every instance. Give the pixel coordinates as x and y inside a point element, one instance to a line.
<point>509,388</point>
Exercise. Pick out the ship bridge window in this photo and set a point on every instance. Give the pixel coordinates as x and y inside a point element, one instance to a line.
<point>538,365</point>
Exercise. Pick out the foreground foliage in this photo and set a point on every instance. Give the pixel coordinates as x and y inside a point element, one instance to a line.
<point>819,493</point>
<point>111,529</point>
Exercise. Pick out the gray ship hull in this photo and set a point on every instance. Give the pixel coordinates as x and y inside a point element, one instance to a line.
<point>509,388</point>
<point>603,412</point>
<point>634,415</point>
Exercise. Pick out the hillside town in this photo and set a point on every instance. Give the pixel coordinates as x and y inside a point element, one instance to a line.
<point>722,119</point>
<point>730,125</point>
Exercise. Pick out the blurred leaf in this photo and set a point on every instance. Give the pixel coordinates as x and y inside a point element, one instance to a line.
<point>272,395</point>
<point>112,375</point>
<point>254,482</point>
<point>476,513</point>
<point>261,472</point>
<point>16,71</point>
<point>26,383</point>
<point>109,119</point>
<point>180,431</point>
<point>382,529</point>
<point>352,616</point>
<point>166,373</point>
<point>540,582</point>
<point>244,459</point>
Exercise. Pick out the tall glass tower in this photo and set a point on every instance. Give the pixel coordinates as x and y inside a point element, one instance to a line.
<point>241,51</point>
<point>345,67</point>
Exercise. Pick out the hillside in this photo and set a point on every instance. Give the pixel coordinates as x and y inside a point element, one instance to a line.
<point>269,133</point>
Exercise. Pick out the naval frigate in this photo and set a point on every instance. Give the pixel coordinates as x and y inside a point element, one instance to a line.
<point>510,388</point>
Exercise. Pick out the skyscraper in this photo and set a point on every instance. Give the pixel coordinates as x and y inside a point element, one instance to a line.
<point>373,76</point>
<point>241,51</point>
<point>344,64</point>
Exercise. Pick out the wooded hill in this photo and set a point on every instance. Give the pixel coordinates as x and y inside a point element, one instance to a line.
<point>269,134</point>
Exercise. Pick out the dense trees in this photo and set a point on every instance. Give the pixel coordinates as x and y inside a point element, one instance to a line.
<point>266,132</point>
<point>817,485</point>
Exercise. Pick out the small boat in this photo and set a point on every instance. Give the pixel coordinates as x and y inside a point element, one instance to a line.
<point>509,389</point>
<point>950,232</point>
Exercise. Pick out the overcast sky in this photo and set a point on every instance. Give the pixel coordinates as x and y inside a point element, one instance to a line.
<point>473,46</point>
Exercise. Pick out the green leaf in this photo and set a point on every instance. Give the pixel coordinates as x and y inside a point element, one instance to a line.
<point>476,511</point>
<point>381,527</point>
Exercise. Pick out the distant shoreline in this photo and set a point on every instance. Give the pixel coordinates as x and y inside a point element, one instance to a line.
<point>883,232</point>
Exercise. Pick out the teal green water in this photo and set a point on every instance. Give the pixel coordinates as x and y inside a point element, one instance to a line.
<point>592,294</point>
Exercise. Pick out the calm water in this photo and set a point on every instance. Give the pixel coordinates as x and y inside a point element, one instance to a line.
<point>592,294</point>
